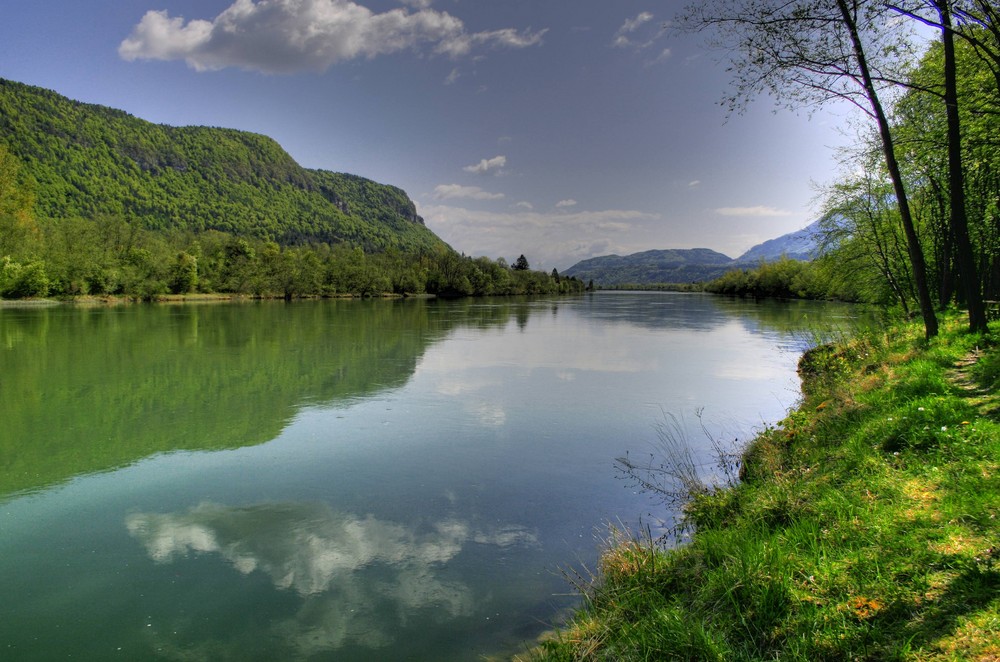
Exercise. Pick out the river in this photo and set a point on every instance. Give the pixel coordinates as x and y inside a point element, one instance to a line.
<point>347,480</point>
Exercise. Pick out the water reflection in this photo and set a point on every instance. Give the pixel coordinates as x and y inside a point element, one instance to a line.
<point>706,312</point>
<point>361,579</point>
<point>400,434</point>
<point>91,389</point>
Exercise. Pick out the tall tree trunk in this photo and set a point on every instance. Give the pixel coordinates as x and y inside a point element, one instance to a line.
<point>956,179</point>
<point>914,250</point>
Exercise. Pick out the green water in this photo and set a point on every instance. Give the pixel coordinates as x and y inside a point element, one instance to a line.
<point>345,480</point>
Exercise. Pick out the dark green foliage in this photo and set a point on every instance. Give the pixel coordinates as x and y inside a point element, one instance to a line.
<point>91,161</point>
<point>784,279</point>
<point>108,256</point>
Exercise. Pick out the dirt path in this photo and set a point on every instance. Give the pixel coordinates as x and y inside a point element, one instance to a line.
<point>985,400</point>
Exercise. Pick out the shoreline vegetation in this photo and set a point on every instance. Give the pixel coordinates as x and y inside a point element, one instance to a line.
<point>865,525</point>
<point>109,258</point>
<point>194,298</point>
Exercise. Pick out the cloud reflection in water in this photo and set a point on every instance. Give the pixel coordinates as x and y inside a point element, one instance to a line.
<point>360,578</point>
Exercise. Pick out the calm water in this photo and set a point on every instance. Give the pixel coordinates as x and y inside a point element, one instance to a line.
<point>344,480</point>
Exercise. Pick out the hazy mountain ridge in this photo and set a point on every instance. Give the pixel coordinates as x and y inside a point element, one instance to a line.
<point>89,161</point>
<point>693,264</point>
<point>800,245</point>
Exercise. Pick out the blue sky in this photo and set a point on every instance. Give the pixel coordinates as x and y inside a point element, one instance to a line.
<point>560,129</point>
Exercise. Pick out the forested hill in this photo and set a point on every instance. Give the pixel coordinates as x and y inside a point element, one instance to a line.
<point>90,161</point>
<point>657,266</point>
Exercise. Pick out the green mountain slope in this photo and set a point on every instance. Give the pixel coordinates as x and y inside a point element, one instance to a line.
<point>90,161</point>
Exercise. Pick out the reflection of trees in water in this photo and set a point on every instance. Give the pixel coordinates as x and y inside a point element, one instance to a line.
<point>706,312</point>
<point>360,578</point>
<point>91,389</point>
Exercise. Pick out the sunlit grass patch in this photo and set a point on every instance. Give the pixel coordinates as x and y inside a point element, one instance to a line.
<point>976,639</point>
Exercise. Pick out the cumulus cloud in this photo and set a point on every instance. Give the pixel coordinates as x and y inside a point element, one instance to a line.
<point>487,165</point>
<point>452,191</point>
<point>563,204</point>
<point>285,36</point>
<point>758,211</point>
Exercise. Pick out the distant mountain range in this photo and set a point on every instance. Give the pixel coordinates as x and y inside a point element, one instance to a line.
<point>691,265</point>
<point>801,245</point>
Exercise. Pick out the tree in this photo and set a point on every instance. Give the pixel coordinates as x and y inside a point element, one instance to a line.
<point>184,273</point>
<point>521,264</point>
<point>861,234</point>
<point>942,19</point>
<point>810,52</point>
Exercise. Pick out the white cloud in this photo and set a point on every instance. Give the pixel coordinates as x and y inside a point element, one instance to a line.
<point>663,56</point>
<point>694,183</point>
<point>451,191</point>
<point>623,38</point>
<point>633,24</point>
<point>562,204</point>
<point>419,4</point>
<point>486,165</point>
<point>524,204</point>
<point>452,77</point>
<point>759,211</point>
<point>285,36</point>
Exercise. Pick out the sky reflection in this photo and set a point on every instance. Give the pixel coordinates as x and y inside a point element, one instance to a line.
<point>349,570</point>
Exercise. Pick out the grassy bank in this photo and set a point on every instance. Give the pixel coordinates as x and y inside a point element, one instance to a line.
<point>866,526</point>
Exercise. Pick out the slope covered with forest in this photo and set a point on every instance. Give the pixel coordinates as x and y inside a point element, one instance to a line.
<point>657,266</point>
<point>89,161</point>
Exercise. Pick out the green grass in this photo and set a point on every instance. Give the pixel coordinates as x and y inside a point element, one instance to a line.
<point>866,526</point>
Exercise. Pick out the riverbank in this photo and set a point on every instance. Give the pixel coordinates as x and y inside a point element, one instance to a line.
<point>210,297</point>
<point>866,526</point>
